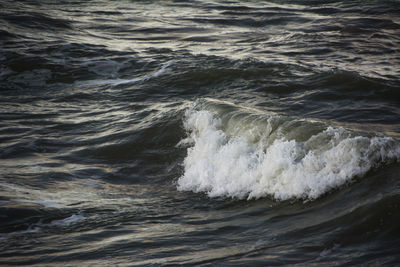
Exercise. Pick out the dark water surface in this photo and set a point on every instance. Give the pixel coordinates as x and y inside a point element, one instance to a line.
<point>199,132</point>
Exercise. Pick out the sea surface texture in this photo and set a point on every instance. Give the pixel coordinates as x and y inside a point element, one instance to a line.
<point>239,133</point>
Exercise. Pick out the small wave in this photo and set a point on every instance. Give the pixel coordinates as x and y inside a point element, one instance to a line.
<point>74,218</point>
<point>40,225</point>
<point>30,230</point>
<point>116,82</point>
<point>37,77</point>
<point>43,203</point>
<point>328,251</point>
<point>242,153</point>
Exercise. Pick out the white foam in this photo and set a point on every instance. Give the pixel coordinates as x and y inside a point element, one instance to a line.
<point>235,165</point>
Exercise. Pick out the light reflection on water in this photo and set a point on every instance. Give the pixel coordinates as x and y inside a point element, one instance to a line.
<point>93,103</point>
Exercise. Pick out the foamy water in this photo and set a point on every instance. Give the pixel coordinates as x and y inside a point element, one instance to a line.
<point>227,158</point>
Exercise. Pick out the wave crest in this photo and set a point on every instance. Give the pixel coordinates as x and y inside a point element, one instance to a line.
<point>240,154</point>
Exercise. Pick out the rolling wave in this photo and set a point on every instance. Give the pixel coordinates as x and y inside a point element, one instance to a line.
<point>243,153</point>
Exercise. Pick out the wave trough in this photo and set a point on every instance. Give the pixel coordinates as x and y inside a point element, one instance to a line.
<point>241,154</point>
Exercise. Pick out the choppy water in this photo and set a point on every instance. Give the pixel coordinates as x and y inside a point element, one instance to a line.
<point>199,132</point>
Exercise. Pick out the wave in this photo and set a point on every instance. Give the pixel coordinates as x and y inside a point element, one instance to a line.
<point>243,153</point>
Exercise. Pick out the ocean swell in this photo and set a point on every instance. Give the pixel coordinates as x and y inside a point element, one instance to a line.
<point>240,153</point>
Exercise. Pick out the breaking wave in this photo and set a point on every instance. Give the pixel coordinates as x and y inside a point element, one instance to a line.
<point>243,153</point>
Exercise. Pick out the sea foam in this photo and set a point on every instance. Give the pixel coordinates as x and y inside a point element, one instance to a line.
<point>241,154</point>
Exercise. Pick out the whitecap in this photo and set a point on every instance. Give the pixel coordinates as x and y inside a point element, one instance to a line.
<point>238,154</point>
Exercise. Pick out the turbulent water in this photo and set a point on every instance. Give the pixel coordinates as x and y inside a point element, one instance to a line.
<point>199,132</point>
